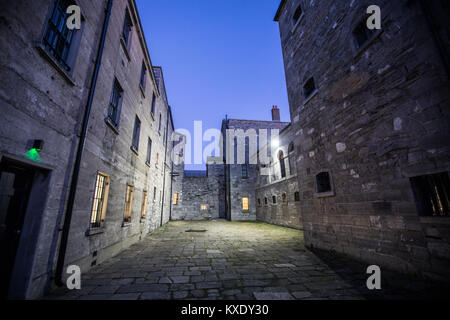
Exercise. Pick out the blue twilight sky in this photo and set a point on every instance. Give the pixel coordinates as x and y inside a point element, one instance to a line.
<point>218,57</point>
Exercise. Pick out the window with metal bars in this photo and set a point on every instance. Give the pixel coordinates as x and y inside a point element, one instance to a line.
<point>245,204</point>
<point>115,103</point>
<point>244,171</point>
<point>128,204</point>
<point>127,25</point>
<point>99,202</point>
<point>136,133</point>
<point>58,38</point>
<point>432,194</point>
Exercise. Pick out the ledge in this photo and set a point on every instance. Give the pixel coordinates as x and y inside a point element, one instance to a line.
<point>310,97</point>
<point>324,194</point>
<point>134,150</point>
<point>126,224</point>
<point>110,124</point>
<point>47,56</point>
<point>125,49</point>
<point>91,232</point>
<point>147,163</point>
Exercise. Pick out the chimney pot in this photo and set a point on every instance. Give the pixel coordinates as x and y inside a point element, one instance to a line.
<point>275,113</point>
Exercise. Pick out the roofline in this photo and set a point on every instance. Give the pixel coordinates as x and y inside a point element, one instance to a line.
<point>280,7</point>
<point>271,121</point>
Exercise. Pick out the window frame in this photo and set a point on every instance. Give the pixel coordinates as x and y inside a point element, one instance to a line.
<point>176,198</point>
<point>117,91</point>
<point>328,193</point>
<point>245,200</point>
<point>99,218</point>
<point>128,208</point>
<point>144,204</point>
<point>426,199</point>
<point>149,151</point>
<point>136,135</point>
<point>143,78</point>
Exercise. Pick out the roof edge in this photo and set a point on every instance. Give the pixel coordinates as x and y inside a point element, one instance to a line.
<point>280,7</point>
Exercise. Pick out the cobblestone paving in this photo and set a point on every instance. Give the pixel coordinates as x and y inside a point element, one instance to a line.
<point>231,260</point>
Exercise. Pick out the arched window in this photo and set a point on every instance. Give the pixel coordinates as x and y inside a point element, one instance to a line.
<point>282,165</point>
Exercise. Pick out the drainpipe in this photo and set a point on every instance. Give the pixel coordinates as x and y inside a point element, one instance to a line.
<point>164,176</point>
<point>76,169</point>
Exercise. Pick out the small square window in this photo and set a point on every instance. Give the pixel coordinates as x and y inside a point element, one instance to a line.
<point>323,182</point>
<point>432,194</point>
<point>309,87</point>
<point>203,207</point>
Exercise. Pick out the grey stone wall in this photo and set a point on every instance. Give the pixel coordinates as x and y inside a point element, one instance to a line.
<point>379,117</point>
<point>200,190</point>
<point>39,100</point>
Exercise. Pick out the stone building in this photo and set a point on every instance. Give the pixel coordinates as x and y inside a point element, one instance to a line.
<point>370,114</point>
<point>93,87</point>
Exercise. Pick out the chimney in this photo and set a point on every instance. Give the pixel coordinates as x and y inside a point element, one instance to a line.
<point>275,113</point>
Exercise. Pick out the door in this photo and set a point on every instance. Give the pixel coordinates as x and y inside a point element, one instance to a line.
<point>15,185</point>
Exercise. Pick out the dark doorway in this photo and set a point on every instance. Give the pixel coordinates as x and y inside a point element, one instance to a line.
<point>19,222</point>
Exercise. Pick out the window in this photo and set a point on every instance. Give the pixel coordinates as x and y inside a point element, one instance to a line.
<point>101,191</point>
<point>154,194</point>
<point>175,198</point>
<point>309,87</point>
<point>297,196</point>
<point>159,125</point>
<point>259,201</point>
<point>297,14</point>
<point>244,171</point>
<point>431,193</point>
<point>126,32</point>
<point>323,182</point>
<point>362,34</point>
<point>203,207</point>
<point>245,204</point>
<point>282,164</point>
<point>136,133</point>
<point>152,110</point>
<point>274,199</point>
<point>58,40</point>
<point>291,158</point>
<point>115,103</point>
<point>157,159</point>
<point>143,76</point>
<point>283,197</point>
<point>265,200</point>
<point>149,150</point>
<point>128,204</point>
<point>144,204</point>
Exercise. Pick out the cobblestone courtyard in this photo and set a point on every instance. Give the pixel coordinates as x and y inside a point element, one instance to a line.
<point>235,260</point>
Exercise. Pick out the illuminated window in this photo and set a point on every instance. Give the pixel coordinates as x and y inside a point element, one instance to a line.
<point>245,206</point>
<point>203,207</point>
<point>144,204</point>
<point>175,198</point>
<point>100,200</point>
<point>128,204</point>
<point>431,193</point>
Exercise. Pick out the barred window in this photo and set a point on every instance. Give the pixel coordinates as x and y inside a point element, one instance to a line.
<point>58,38</point>
<point>175,198</point>
<point>100,200</point>
<point>245,204</point>
<point>432,194</point>
<point>244,171</point>
<point>128,204</point>
<point>144,204</point>
<point>115,103</point>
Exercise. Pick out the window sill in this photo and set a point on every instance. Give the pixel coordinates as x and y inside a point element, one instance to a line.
<point>134,150</point>
<point>435,220</point>
<point>91,232</point>
<point>47,56</point>
<point>324,194</point>
<point>126,224</point>
<point>294,29</point>
<point>147,163</point>
<point>310,97</point>
<point>110,124</point>
<point>125,49</point>
<point>245,211</point>
<point>358,51</point>
<point>142,220</point>
<point>142,91</point>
